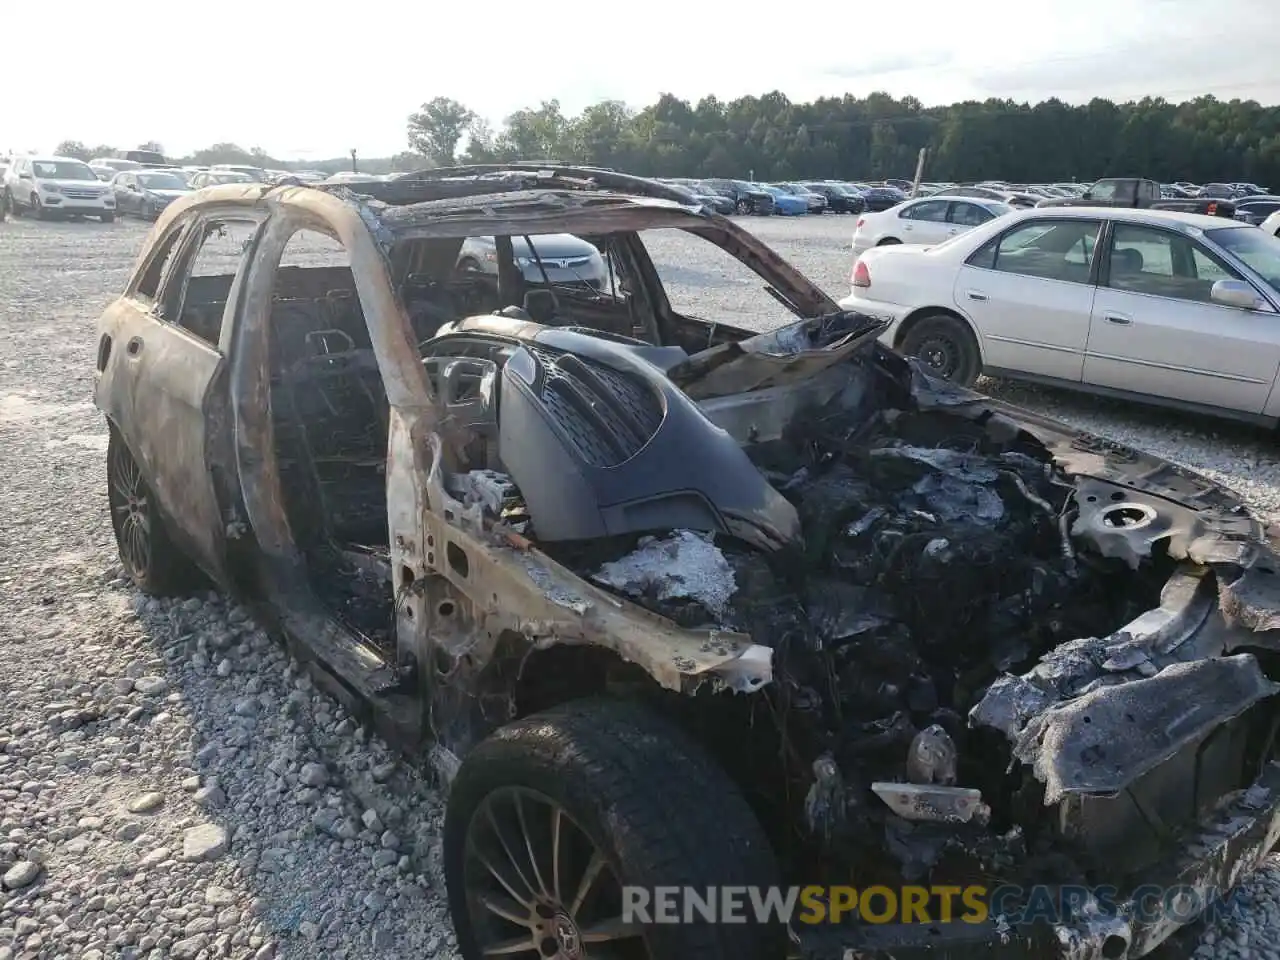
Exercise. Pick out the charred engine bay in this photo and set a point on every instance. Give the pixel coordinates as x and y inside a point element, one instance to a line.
<point>934,561</point>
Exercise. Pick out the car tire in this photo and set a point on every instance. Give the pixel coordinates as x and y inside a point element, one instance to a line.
<point>621,789</point>
<point>946,346</point>
<point>37,208</point>
<point>148,555</point>
<point>108,218</point>
<point>14,207</point>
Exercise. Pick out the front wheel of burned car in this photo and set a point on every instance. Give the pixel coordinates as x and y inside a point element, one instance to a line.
<point>148,555</point>
<point>561,826</point>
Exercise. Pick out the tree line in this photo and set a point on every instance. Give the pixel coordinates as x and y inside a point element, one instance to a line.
<point>873,137</point>
<point>771,138</point>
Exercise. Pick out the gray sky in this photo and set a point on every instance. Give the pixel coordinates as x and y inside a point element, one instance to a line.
<point>314,81</point>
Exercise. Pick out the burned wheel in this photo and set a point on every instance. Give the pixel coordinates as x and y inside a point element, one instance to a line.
<point>146,552</point>
<point>531,866</point>
<point>946,346</point>
<point>551,817</point>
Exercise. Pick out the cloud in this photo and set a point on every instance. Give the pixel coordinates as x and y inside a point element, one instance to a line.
<point>863,67</point>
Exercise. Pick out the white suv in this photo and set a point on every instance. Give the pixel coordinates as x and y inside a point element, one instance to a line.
<point>57,186</point>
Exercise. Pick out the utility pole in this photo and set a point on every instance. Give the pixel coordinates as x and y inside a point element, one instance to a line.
<point>915,185</point>
<point>354,168</point>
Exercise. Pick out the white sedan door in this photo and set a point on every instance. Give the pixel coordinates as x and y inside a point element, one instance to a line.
<point>1029,292</point>
<point>924,221</point>
<point>1155,330</point>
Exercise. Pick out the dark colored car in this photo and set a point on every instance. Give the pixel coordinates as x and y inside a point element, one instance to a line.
<point>668,603</point>
<point>840,199</point>
<point>148,158</point>
<point>145,193</point>
<point>1218,191</point>
<point>706,194</point>
<point>1256,208</point>
<point>882,198</point>
<point>745,197</point>
<point>1140,193</point>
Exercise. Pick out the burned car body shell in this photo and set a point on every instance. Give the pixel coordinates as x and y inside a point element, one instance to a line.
<point>474,598</point>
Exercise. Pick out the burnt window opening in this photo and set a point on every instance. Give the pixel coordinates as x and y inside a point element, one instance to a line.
<point>194,294</point>
<point>160,266</point>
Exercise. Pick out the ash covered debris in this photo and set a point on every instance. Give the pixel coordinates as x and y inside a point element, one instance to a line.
<point>684,567</point>
<point>934,563</point>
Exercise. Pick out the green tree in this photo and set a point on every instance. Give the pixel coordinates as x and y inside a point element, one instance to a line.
<point>233,153</point>
<point>74,148</point>
<point>436,129</point>
<point>539,134</point>
<point>480,143</point>
<point>879,136</point>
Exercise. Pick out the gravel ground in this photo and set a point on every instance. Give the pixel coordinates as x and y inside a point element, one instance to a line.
<point>170,786</point>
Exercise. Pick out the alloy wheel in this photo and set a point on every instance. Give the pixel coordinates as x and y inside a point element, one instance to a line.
<point>131,505</point>
<point>539,887</point>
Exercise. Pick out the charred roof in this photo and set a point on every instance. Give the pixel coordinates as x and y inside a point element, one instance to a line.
<point>491,180</point>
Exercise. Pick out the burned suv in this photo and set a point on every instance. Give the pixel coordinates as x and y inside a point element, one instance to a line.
<point>672,603</point>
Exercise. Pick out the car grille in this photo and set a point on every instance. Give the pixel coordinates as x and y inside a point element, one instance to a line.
<point>74,194</point>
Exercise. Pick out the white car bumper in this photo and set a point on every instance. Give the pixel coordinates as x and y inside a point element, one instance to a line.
<point>896,312</point>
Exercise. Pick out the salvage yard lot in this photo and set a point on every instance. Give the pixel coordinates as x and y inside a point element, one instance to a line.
<point>107,698</point>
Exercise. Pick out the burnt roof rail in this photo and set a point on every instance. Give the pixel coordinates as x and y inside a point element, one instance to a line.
<point>556,175</point>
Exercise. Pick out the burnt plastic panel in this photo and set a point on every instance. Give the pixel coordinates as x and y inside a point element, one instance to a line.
<point>602,444</point>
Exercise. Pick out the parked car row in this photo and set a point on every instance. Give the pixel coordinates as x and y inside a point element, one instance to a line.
<point>789,198</point>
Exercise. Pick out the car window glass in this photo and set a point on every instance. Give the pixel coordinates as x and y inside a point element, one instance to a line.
<point>969,214</point>
<point>195,297</point>
<point>931,210</point>
<point>1049,249</point>
<point>704,282</point>
<point>1207,268</point>
<point>1162,264</point>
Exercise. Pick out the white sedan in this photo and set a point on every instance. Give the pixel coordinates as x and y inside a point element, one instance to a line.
<point>928,220</point>
<point>1172,308</point>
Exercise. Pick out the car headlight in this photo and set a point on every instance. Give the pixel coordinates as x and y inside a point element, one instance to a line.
<point>526,261</point>
<point>49,187</point>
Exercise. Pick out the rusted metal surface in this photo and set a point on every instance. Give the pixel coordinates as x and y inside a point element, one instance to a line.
<point>504,587</point>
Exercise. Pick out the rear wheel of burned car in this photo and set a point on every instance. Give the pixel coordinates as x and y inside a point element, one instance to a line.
<point>946,346</point>
<point>147,554</point>
<point>552,816</point>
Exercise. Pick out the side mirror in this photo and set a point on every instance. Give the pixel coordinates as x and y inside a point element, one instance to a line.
<point>1234,293</point>
<point>24,176</point>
